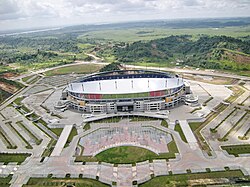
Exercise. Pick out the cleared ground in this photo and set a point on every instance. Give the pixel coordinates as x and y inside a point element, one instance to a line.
<point>131,35</point>
<point>63,182</point>
<point>78,69</point>
<point>183,179</point>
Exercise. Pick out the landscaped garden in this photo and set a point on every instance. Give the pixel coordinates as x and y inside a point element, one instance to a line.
<point>129,154</point>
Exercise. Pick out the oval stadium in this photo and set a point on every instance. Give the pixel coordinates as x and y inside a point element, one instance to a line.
<point>126,91</point>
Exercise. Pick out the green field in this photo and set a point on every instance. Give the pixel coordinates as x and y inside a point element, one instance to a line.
<point>46,182</point>
<point>132,35</point>
<point>182,179</point>
<point>109,120</point>
<point>4,181</point>
<point>129,154</point>
<point>194,125</point>
<point>13,157</point>
<point>86,126</point>
<point>57,131</point>
<point>237,149</point>
<point>179,130</point>
<point>71,136</point>
<point>49,148</point>
<point>18,100</point>
<point>142,118</point>
<point>25,79</point>
<point>4,69</point>
<point>125,154</point>
<point>164,123</point>
<point>78,69</point>
<point>3,95</point>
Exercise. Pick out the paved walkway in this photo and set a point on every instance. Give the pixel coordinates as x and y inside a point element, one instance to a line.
<point>62,140</point>
<point>189,134</point>
<point>125,174</point>
<point>122,174</point>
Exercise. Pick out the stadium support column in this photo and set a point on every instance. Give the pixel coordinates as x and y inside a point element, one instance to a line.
<point>100,86</point>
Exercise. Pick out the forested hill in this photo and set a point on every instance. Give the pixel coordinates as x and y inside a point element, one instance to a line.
<point>217,52</point>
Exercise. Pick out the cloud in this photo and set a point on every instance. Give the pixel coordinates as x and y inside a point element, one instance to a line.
<point>81,11</point>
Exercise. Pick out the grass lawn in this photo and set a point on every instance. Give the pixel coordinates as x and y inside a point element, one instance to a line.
<point>79,69</point>
<point>142,118</point>
<point>57,131</point>
<point>13,157</point>
<point>4,95</point>
<point>71,135</point>
<point>129,154</point>
<point>86,126</point>
<point>35,182</point>
<point>164,123</point>
<point>18,100</point>
<point>209,99</point>
<point>13,129</point>
<point>6,139</point>
<point>194,125</point>
<point>108,120</point>
<point>196,129</point>
<point>179,130</point>
<point>4,181</point>
<point>224,138</point>
<point>31,135</point>
<point>25,79</point>
<point>49,148</point>
<point>237,91</point>
<point>182,179</point>
<point>34,80</point>
<point>42,122</point>
<point>237,149</point>
<point>125,154</point>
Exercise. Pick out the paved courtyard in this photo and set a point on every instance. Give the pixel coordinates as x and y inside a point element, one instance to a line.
<point>230,123</point>
<point>118,134</point>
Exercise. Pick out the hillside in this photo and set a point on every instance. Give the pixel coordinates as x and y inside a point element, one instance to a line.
<point>197,43</point>
<point>7,88</point>
<point>216,52</point>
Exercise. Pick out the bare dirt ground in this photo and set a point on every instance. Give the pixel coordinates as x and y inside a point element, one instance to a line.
<point>8,88</point>
<point>211,79</point>
<point>9,75</point>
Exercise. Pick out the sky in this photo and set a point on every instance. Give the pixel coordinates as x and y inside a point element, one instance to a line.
<point>23,14</point>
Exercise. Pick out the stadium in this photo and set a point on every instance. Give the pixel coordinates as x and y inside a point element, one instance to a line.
<point>126,91</point>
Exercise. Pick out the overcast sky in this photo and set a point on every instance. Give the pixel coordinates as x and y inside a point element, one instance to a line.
<point>18,14</point>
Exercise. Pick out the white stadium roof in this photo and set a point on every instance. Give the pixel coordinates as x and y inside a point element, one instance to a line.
<point>125,86</point>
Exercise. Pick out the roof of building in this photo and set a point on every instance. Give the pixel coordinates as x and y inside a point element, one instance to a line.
<point>125,86</point>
